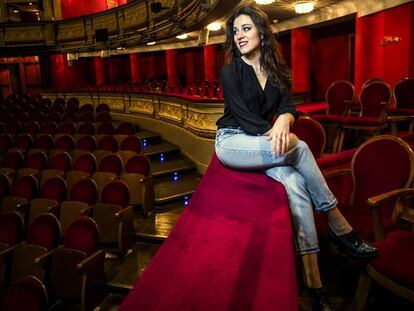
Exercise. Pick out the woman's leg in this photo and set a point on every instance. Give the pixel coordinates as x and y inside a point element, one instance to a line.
<point>241,151</point>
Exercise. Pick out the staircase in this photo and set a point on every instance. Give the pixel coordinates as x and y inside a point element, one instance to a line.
<point>175,178</point>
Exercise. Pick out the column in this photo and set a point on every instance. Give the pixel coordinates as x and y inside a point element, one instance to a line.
<point>189,68</point>
<point>171,57</point>
<point>301,43</point>
<point>99,71</point>
<point>3,11</point>
<point>136,67</point>
<point>210,63</point>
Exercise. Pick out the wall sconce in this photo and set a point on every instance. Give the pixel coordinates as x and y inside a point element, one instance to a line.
<point>390,40</point>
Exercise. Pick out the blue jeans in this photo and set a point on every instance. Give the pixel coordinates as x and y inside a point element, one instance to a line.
<point>296,170</point>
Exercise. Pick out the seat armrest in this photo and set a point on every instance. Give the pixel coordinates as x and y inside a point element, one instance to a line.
<point>91,260</point>
<point>123,211</point>
<point>6,252</point>
<point>338,173</point>
<point>384,197</point>
<point>42,259</point>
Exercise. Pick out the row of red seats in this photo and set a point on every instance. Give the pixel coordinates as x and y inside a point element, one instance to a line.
<point>39,259</point>
<point>67,127</point>
<point>67,142</point>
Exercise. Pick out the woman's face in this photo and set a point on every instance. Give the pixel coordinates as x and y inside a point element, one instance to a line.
<point>246,35</point>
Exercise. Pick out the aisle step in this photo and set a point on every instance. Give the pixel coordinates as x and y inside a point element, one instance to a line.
<point>149,136</point>
<point>158,225</point>
<point>179,164</point>
<point>166,189</point>
<point>164,148</point>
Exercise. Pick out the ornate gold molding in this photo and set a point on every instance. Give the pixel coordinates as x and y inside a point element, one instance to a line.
<point>195,117</point>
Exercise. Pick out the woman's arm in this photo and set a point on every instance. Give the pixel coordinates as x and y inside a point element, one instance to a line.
<point>236,103</point>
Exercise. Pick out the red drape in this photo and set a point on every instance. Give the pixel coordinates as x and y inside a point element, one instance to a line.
<point>99,70</point>
<point>301,43</point>
<point>210,63</point>
<point>136,68</point>
<point>171,57</point>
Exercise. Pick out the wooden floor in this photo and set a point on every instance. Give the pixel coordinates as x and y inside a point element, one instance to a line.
<point>339,273</point>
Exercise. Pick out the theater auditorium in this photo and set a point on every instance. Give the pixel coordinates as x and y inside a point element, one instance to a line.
<point>112,195</point>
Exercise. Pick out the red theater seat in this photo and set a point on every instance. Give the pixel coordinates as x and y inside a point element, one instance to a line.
<point>131,143</point>
<point>103,117</point>
<point>86,128</point>
<point>27,293</point>
<point>86,108</point>
<point>237,224</point>
<point>102,108</point>
<point>125,128</point>
<point>105,128</point>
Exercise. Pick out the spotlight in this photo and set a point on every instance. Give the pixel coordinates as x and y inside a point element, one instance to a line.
<point>182,37</point>
<point>214,26</point>
<point>151,43</point>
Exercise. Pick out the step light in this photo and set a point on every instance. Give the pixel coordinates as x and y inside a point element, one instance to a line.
<point>175,177</point>
<point>162,158</point>
<point>186,200</point>
<point>144,143</point>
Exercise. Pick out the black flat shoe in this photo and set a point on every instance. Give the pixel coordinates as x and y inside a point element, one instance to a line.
<point>353,244</point>
<point>320,299</point>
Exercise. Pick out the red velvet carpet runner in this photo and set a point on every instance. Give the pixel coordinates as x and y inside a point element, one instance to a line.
<point>231,249</point>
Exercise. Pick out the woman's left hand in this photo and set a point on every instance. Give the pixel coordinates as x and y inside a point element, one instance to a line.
<point>279,134</point>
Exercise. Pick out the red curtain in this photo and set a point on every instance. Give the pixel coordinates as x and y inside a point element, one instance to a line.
<point>210,63</point>
<point>171,57</point>
<point>301,42</point>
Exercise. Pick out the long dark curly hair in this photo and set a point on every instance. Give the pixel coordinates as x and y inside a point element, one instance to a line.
<point>270,59</point>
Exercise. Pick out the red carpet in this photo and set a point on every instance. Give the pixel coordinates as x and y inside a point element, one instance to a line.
<point>231,249</point>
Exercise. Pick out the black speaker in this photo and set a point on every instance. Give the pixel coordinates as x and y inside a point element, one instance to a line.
<point>156,7</point>
<point>101,35</point>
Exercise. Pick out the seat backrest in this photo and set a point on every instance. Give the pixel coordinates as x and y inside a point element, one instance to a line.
<point>82,235</point>
<point>13,159</point>
<point>404,93</point>
<point>337,94</point>
<point>371,98</point>
<point>64,142</point>
<point>54,188</point>
<point>108,142</point>
<point>11,228</point>
<point>86,142</point>
<point>311,132</point>
<point>111,163</point>
<point>5,141</point>
<point>381,164</point>
<point>85,162</point>
<point>61,161</point>
<point>27,293</point>
<point>59,102</point>
<point>25,187</point>
<point>125,128</point>
<point>86,108</point>
<point>103,117</point>
<point>67,127</point>
<point>116,192</point>
<point>86,117</point>
<point>23,141</point>
<point>49,127</point>
<point>36,160</point>
<point>105,128</point>
<point>102,108</point>
<point>44,141</point>
<point>138,164</point>
<point>84,190</point>
<point>31,127</point>
<point>4,186</point>
<point>44,230</point>
<point>132,143</point>
<point>86,128</point>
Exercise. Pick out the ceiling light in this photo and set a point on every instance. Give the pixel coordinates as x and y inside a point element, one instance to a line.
<point>303,7</point>
<point>264,2</point>
<point>214,26</point>
<point>120,48</point>
<point>15,11</point>
<point>30,3</point>
<point>182,37</point>
<point>151,43</point>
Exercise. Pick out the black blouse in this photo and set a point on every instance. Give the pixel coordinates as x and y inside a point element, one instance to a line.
<point>246,104</point>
